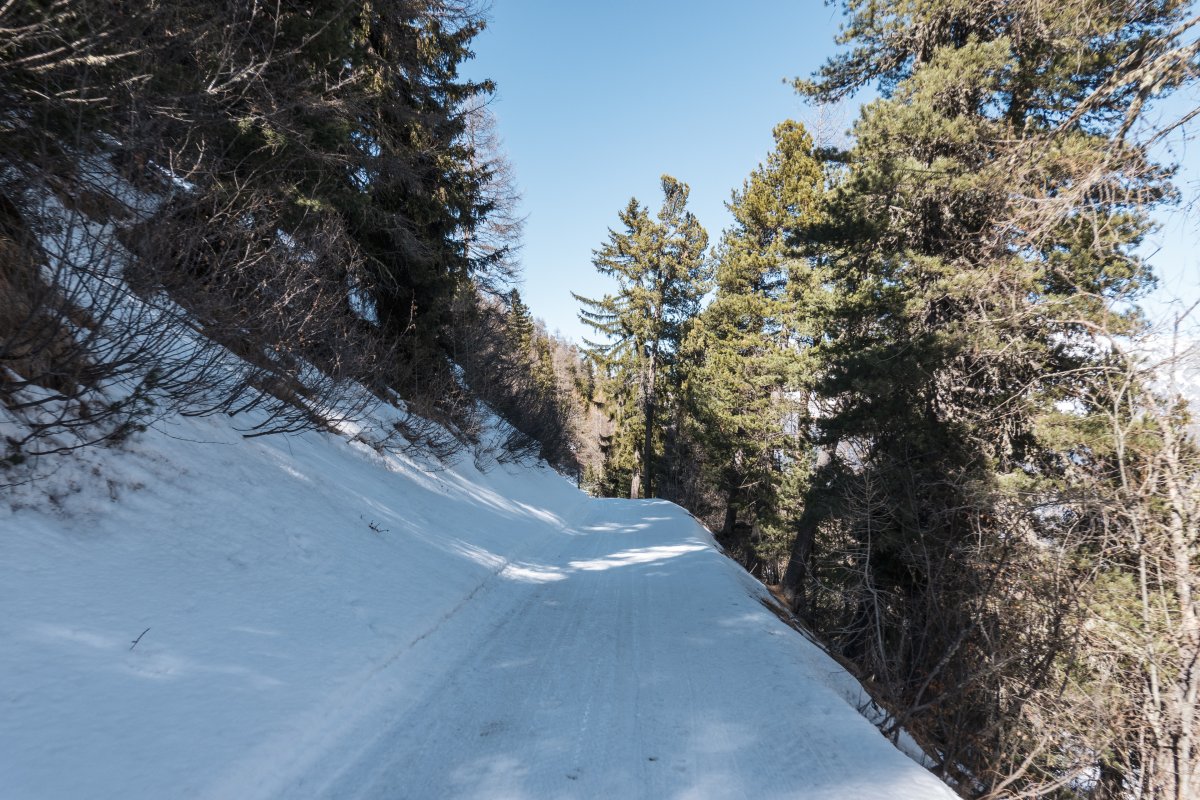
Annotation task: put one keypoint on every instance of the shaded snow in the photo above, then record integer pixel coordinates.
(327, 621)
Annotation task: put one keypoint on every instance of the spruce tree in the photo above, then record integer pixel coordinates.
(353, 124)
(662, 272)
(519, 325)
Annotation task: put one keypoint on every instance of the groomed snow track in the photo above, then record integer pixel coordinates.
(322, 620)
(625, 658)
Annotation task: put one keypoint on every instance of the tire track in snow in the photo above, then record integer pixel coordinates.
(645, 669)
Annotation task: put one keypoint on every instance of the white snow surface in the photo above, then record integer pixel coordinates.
(323, 620)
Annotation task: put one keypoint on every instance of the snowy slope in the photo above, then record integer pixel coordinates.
(327, 621)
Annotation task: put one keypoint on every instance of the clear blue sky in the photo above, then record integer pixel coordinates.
(597, 99)
(1174, 249)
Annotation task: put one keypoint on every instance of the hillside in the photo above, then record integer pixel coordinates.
(200, 615)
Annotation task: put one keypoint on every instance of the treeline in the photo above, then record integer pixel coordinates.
(313, 187)
(536, 381)
(923, 401)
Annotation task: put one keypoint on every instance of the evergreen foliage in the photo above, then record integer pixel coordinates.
(520, 324)
(978, 254)
(744, 357)
(662, 271)
(322, 180)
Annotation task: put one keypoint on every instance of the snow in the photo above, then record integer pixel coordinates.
(321, 619)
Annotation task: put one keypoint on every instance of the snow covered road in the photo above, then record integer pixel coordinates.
(309, 617)
(626, 659)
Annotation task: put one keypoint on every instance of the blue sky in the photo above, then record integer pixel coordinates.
(597, 99)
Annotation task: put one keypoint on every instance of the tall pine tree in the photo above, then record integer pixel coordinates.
(662, 271)
(745, 352)
(979, 248)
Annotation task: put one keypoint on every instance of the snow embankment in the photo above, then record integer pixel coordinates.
(204, 616)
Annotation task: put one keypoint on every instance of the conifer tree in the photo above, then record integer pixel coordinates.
(324, 171)
(423, 192)
(746, 349)
(520, 324)
(662, 272)
(978, 251)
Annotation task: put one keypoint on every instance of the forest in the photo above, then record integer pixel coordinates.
(912, 388)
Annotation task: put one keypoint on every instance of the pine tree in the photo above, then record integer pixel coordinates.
(519, 325)
(353, 125)
(746, 349)
(978, 248)
(662, 271)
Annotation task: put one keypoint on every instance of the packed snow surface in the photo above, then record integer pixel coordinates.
(314, 618)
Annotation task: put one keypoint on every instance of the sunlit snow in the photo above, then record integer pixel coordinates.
(303, 616)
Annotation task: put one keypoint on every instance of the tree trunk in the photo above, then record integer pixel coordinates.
(1180, 547)
(727, 526)
(795, 578)
(648, 442)
(819, 506)
(734, 491)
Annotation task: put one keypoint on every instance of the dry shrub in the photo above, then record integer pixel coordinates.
(35, 341)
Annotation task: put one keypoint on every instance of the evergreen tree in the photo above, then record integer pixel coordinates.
(545, 376)
(978, 249)
(424, 193)
(332, 194)
(746, 349)
(662, 272)
(354, 120)
(520, 324)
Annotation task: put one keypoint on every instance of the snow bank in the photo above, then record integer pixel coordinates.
(271, 573)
